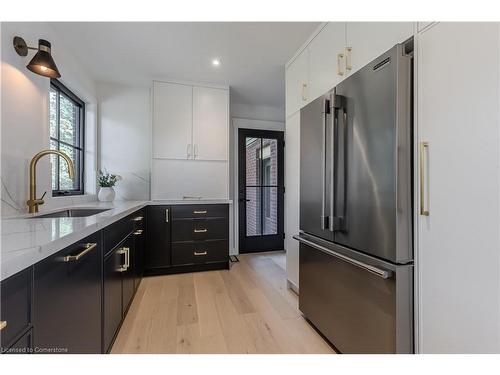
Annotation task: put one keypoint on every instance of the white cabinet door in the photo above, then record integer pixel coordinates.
(297, 80)
(292, 196)
(210, 123)
(189, 179)
(323, 56)
(458, 255)
(172, 120)
(369, 40)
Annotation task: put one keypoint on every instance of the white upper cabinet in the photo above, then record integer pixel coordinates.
(368, 40)
(172, 120)
(210, 123)
(459, 257)
(297, 82)
(326, 63)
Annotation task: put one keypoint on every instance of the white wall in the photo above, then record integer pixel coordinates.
(260, 112)
(243, 123)
(125, 137)
(24, 117)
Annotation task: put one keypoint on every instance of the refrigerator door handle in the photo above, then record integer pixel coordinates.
(334, 119)
(384, 274)
(337, 223)
(324, 219)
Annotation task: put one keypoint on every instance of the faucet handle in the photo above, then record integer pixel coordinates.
(43, 195)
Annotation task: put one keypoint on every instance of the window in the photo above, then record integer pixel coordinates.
(66, 117)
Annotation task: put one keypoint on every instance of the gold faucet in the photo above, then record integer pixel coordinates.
(33, 202)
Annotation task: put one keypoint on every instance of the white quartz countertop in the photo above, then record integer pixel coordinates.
(27, 239)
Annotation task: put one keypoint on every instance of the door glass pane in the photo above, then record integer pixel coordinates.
(269, 162)
(253, 156)
(269, 210)
(69, 120)
(253, 211)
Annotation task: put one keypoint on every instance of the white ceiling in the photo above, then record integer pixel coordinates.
(252, 54)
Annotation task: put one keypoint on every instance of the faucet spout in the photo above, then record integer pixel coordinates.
(33, 202)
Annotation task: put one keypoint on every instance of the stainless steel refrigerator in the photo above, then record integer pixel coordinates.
(356, 243)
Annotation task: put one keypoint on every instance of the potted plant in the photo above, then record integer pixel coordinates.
(106, 182)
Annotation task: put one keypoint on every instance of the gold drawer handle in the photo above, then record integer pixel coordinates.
(138, 218)
(126, 251)
(3, 324)
(200, 253)
(200, 212)
(423, 146)
(200, 230)
(87, 248)
(138, 232)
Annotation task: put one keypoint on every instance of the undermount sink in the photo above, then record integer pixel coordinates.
(77, 212)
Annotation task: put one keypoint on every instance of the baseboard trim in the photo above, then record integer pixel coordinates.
(292, 286)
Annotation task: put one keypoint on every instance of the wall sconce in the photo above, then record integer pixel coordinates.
(42, 63)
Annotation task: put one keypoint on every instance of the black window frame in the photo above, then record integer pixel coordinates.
(60, 88)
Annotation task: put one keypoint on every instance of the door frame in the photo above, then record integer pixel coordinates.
(263, 242)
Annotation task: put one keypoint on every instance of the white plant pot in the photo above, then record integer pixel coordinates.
(106, 194)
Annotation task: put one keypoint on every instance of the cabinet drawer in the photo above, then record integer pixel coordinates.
(199, 211)
(197, 252)
(116, 232)
(15, 306)
(202, 229)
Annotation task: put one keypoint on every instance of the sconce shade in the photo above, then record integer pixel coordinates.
(43, 63)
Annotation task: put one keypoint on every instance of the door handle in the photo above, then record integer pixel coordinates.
(3, 324)
(385, 274)
(167, 212)
(348, 58)
(87, 248)
(199, 212)
(340, 58)
(138, 218)
(200, 230)
(423, 147)
(138, 232)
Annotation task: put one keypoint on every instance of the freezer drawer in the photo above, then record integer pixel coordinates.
(359, 305)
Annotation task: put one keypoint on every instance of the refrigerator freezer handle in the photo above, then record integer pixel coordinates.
(385, 274)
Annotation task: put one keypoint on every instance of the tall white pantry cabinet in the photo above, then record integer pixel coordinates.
(190, 141)
(456, 167)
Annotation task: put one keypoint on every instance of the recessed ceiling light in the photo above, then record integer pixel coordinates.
(215, 62)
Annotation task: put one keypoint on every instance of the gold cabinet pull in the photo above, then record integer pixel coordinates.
(138, 218)
(340, 58)
(423, 147)
(198, 253)
(88, 247)
(124, 251)
(200, 230)
(304, 92)
(138, 232)
(167, 211)
(199, 211)
(3, 324)
(348, 58)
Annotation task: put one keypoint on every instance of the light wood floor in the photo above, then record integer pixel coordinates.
(247, 309)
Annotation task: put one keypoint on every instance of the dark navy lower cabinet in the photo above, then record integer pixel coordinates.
(114, 266)
(16, 307)
(157, 254)
(24, 345)
(67, 299)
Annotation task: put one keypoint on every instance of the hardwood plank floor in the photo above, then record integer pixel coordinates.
(247, 309)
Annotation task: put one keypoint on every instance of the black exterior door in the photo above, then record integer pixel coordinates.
(261, 189)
